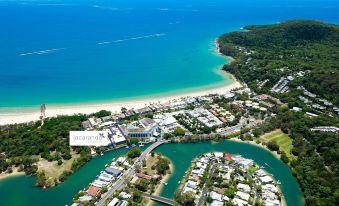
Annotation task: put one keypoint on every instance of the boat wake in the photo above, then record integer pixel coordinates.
(41, 52)
(133, 38)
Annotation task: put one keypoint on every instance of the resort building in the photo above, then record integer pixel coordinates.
(145, 128)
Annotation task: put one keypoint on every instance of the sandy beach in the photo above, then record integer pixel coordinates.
(12, 174)
(23, 115)
(114, 106)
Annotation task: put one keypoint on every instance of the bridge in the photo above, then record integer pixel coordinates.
(121, 182)
(163, 200)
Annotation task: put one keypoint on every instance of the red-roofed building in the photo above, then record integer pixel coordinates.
(93, 191)
(142, 175)
(228, 157)
(196, 178)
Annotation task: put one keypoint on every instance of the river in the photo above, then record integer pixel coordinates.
(19, 191)
(181, 156)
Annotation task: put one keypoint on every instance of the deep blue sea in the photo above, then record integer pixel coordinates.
(61, 52)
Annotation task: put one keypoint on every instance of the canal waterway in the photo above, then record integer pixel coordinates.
(20, 190)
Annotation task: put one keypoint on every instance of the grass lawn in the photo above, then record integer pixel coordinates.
(151, 161)
(282, 139)
(53, 170)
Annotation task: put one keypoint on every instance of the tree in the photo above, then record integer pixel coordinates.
(162, 165)
(186, 199)
(137, 196)
(134, 140)
(102, 113)
(134, 152)
(272, 145)
(123, 110)
(284, 157)
(41, 179)
(142, 185)
(179, 132)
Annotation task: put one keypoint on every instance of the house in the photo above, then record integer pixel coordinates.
(243, 195)
(270, 202)
(270, 187)
(85, 198)
(266, 179)
(244, 187)
(93, 191)
(228, 157)
(143, 176)
(217, 203)
(125, 195)
(113, 171)
(114, 202)
(325, 129)
(216, 196)
(188, 189)
(191, 184)
(239, 202)
(122, 203)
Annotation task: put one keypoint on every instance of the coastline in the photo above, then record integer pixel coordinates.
(114, 106)
(18, 115)
(12, 174)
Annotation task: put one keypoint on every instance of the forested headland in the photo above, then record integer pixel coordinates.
(304, 56)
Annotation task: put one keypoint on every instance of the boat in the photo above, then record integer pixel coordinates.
(279, 183)
(165, 183)
(179, 182)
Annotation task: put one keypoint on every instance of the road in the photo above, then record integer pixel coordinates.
(163, 200)
(205, 187)
(121, 181)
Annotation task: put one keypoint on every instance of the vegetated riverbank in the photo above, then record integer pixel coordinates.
(163, 180)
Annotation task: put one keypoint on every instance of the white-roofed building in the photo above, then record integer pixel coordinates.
(239, 202)
(243, 195)
(244, 187)
(217, 203)
(216, 196)
(266, 179)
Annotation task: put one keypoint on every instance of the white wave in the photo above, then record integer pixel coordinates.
(47, 51)
(112, 8)
(133, 38)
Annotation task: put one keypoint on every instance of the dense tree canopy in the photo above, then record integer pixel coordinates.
(271, 51)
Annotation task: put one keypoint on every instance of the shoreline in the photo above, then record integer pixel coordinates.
(114, 106)
(162, 181)
(12, 174)
(17, 115)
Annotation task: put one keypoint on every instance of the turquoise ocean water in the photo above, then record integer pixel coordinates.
(62, 52)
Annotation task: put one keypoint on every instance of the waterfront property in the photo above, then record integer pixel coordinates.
(219, 178)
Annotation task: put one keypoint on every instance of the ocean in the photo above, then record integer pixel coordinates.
(72, 52)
